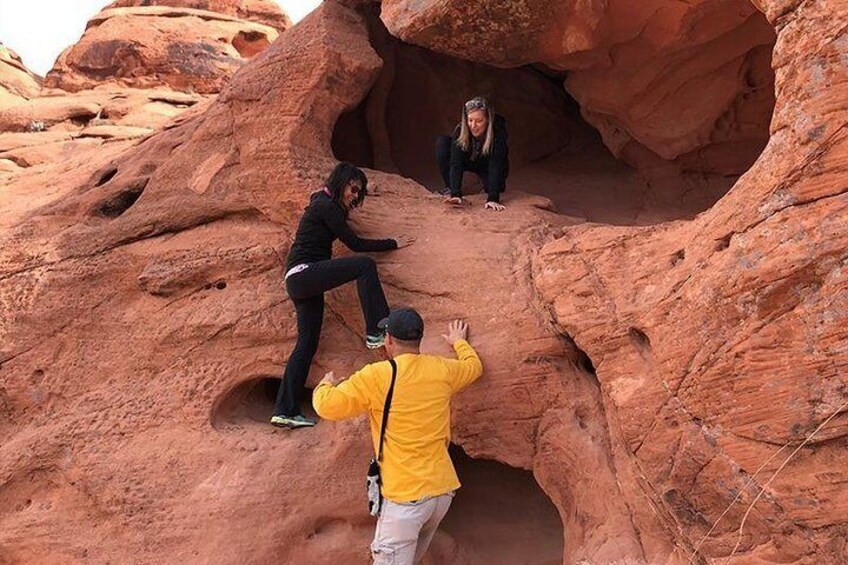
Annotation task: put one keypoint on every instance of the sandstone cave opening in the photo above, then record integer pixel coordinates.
(252, 403)
(554, 151)
(499, 516)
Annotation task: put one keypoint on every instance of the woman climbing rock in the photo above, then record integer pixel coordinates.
(479, 145)
(310, 272)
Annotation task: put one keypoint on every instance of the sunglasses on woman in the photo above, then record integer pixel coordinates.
(476, 104)
(355, 189)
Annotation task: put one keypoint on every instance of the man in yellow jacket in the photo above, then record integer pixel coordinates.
(417, 473)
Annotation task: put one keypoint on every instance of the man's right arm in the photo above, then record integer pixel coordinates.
(345, 400)
(467, 368)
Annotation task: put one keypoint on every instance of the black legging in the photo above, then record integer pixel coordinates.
(306, 290)
(480, 167)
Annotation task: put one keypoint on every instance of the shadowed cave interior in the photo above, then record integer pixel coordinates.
(500, 516)
(252, 403)
(554, 152)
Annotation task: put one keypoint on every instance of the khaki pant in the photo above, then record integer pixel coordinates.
(405, 529)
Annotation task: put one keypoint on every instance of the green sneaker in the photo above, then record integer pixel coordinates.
(375, 341)
(292, 421)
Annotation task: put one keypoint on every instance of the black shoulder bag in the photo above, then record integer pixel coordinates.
(373, 480)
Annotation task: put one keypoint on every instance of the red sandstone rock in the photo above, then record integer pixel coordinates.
(686, 80)
(17, 83)
(262, 11)
(183, 48)
(44, 129)
(105, 131)
(43, 112)
(115, 98)
(8, 166)
(143, 307)
(722, 340)
(9, 141)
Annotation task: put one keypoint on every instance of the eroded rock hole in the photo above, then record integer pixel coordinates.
(555, 151)
(724, 242)
(499, 516)
(119, 203)
(640, 340)
(81, 121)
(582, 362)
(252, 402)
(218, 285)
(106, 176)
(250, 43)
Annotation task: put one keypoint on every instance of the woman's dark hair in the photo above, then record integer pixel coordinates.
(339, 179)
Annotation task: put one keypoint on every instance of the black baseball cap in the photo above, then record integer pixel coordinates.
(404, 324)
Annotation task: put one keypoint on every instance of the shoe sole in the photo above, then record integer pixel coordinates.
(291, 425)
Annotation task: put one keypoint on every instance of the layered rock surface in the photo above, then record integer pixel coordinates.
(17, 83)
(646, 376)
(680, 81)
(188, 49)
(264, 12)
(137, 68)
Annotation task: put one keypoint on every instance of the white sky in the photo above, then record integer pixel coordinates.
(39, 30)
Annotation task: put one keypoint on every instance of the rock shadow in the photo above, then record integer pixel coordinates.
(251, 403)
(500, 516)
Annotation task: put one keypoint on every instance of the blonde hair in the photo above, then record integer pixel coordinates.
(464, 139)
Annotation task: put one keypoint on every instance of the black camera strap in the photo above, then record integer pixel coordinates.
(386, 407)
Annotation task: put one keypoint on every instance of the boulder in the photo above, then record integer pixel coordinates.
(144, 47)
(17, 83)
(261, 11)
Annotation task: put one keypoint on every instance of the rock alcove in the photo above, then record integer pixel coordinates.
(554, 151)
